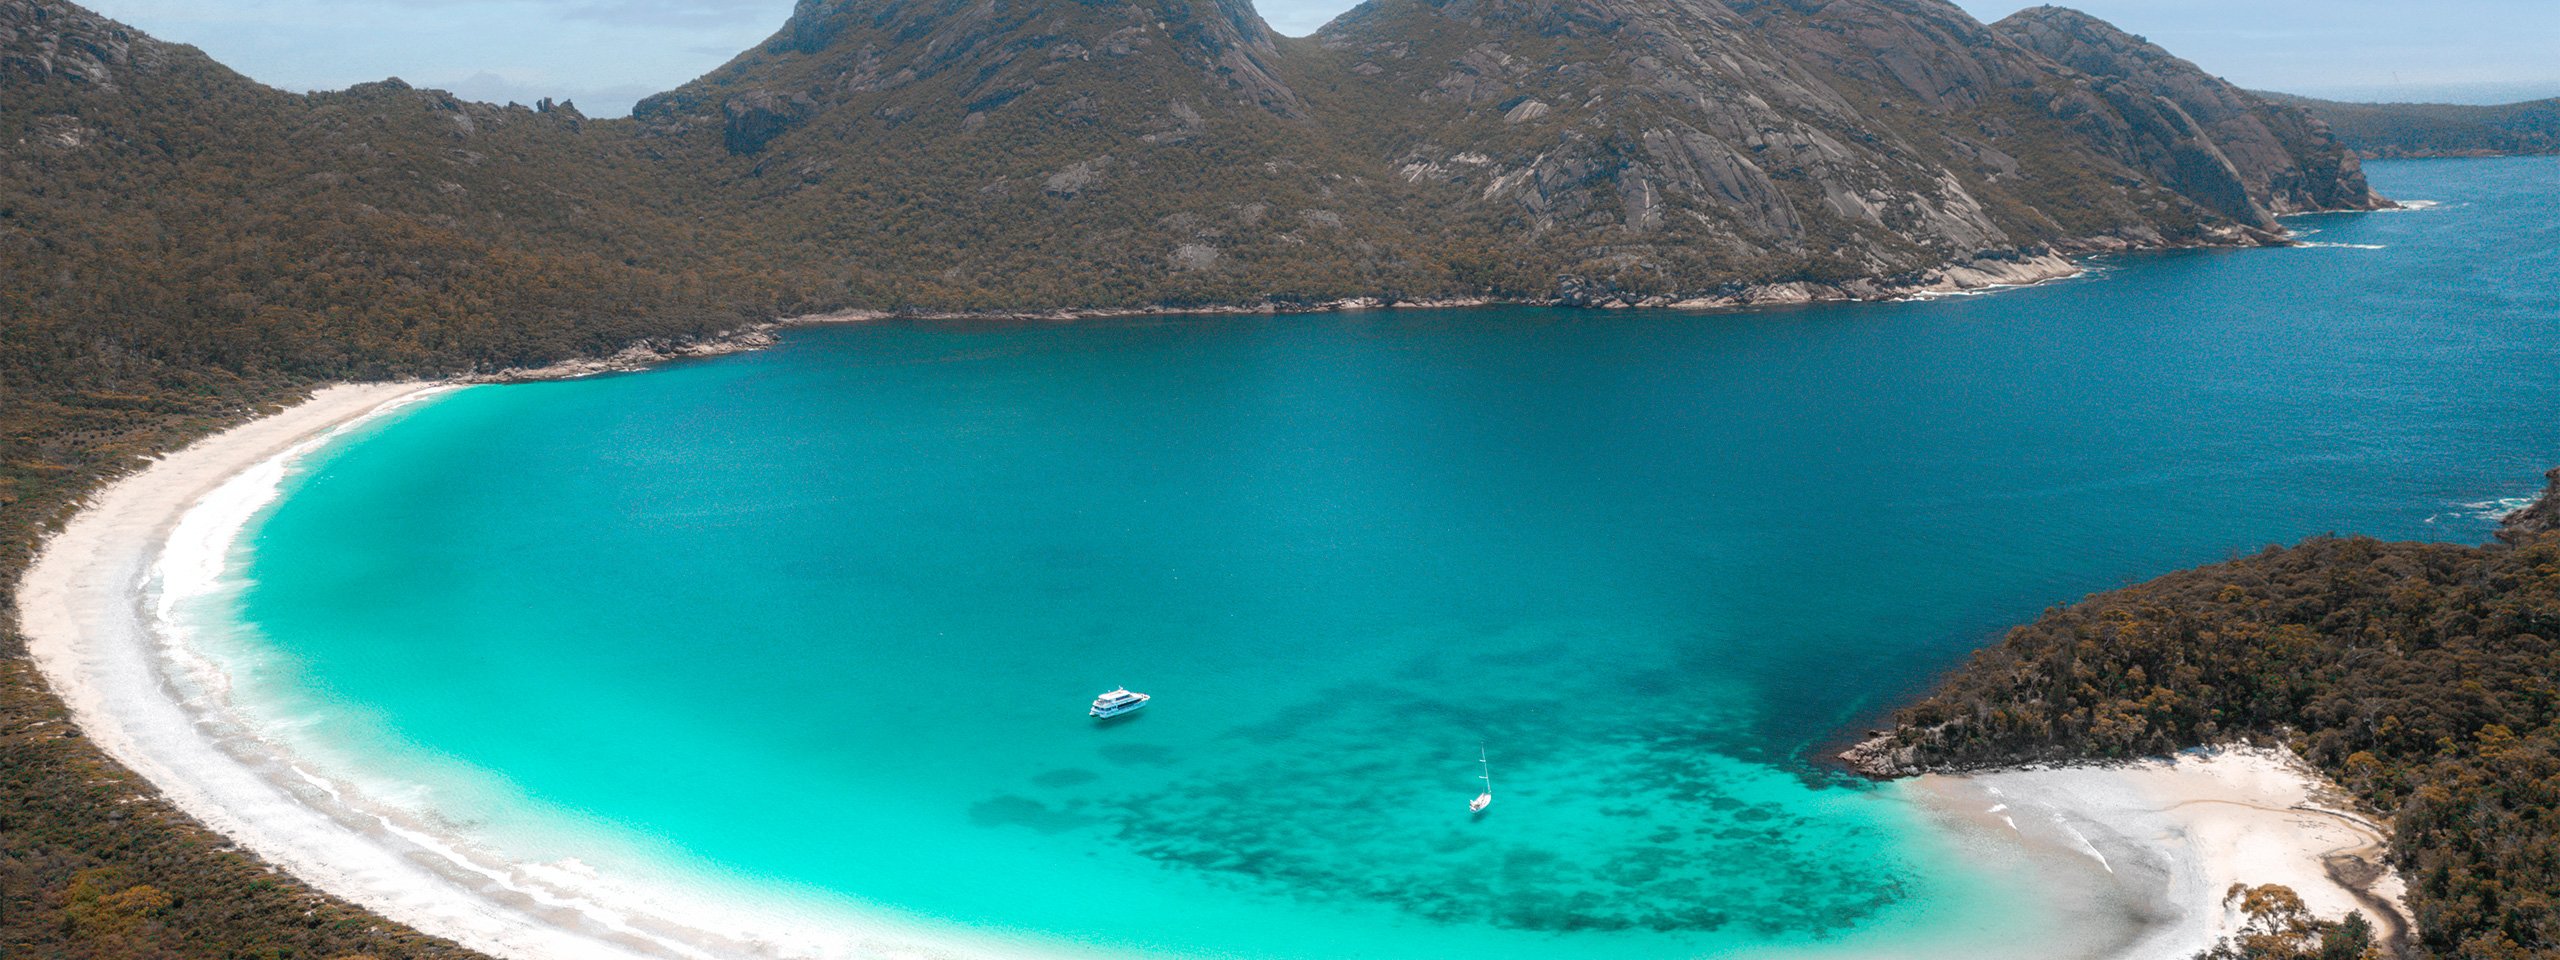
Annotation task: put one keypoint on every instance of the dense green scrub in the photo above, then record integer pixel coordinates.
(2417, 675)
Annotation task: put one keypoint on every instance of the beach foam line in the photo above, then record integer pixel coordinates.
(101, 612)
(83, 607)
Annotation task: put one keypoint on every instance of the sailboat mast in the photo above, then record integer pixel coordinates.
(1486, 798)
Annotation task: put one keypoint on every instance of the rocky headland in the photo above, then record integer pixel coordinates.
(2413, 676)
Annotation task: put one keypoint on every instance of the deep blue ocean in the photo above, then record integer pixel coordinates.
(817, 626)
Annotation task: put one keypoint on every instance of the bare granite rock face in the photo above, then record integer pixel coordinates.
(985, 54)
(1666, 140)
(43, 41)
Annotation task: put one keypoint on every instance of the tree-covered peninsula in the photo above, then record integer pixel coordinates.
(2418, 676)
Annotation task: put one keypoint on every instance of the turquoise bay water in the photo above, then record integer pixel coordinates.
(818, 624)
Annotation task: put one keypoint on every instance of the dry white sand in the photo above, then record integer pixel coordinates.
(2172, 836)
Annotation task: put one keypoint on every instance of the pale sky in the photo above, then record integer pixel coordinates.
(607, 53)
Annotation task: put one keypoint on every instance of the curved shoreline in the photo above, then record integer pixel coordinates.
(82, 607)
(97, 628)
(85, 606)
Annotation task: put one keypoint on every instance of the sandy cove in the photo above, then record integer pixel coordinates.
(2158, 840)
(2175, 834)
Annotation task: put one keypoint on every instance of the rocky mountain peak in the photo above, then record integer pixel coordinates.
(899, 59)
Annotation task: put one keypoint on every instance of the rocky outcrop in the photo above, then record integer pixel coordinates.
(2540, 517)
(1882, 756)
(44, 41)
(758, 116)
(982, 57)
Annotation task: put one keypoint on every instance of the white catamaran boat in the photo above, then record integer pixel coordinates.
(1118, 702)
(1484, 799)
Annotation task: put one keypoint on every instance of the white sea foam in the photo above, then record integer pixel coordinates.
(2085, 846)
(2497, 509)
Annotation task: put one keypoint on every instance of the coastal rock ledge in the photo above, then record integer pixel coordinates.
(1882, 757)
(2539, 517)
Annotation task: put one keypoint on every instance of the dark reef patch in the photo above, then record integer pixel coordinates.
(1383, 771)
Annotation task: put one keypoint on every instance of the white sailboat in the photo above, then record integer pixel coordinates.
(1484, 799)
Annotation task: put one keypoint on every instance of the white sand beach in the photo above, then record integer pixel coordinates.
(2166, 837)
(83, 607)
(2173, 835)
